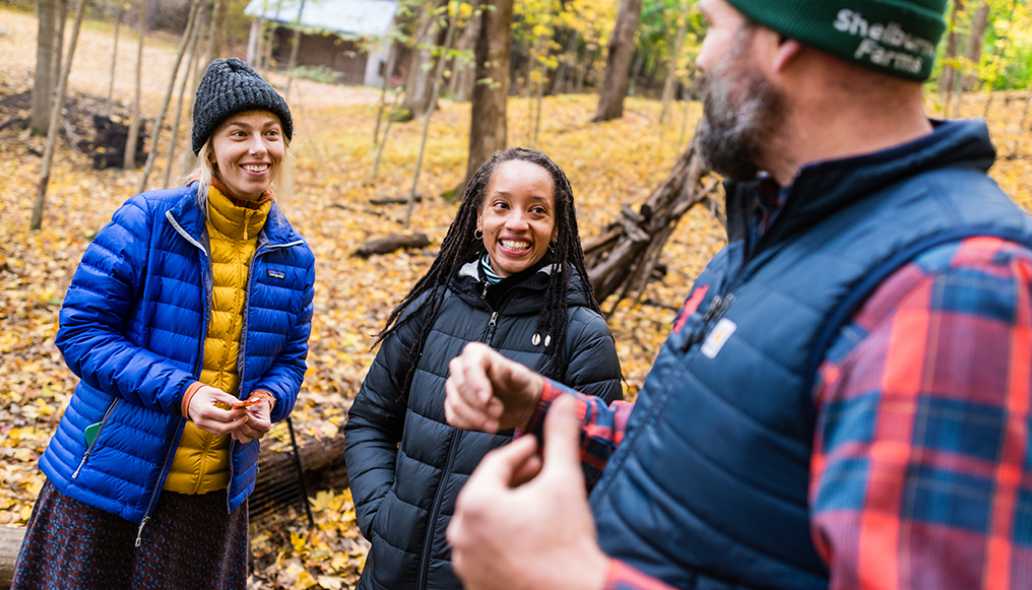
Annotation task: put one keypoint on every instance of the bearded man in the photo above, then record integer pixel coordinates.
(844, 400)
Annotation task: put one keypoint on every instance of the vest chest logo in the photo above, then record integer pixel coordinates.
(277, 274)
(717, 338)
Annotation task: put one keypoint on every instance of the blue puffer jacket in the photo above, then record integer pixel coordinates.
(132, 328)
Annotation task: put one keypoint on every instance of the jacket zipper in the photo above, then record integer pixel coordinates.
(732, 279)
(170, 451)
(489, 332)
(107, 413)
(262, 250)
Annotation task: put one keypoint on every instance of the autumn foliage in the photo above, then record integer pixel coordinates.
(610, 164)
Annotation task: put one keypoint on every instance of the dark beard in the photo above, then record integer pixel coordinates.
(741, 112)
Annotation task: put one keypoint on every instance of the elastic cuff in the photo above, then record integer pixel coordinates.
(262, 393)
(549, 392)
(184, 406)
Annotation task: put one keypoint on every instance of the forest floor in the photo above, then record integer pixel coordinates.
(326, 198)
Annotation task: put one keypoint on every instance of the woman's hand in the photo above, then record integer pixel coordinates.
(258, 411)
(215, 411)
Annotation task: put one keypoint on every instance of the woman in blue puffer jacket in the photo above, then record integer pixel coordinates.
(187, 322)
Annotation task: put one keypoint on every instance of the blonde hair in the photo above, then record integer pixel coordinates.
(205, 169)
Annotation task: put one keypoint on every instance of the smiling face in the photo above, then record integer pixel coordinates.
(248, 148)
(517, 216)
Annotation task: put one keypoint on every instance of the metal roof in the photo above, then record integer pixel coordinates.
(352, 18)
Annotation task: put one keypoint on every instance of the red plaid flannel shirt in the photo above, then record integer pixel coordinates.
(922, 469)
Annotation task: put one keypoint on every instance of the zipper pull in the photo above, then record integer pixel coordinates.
(139, 531)
(716, 308)
(494, 320)
(483, 294)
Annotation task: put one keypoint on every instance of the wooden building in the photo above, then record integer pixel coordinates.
(349, 37)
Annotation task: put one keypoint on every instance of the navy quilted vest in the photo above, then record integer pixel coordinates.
(709, 487)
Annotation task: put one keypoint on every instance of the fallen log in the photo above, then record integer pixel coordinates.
(278, 485)
(622, 260)
(390, 243)
(10, 542)
(394, 200)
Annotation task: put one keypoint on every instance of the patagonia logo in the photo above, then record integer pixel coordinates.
(277, 274)
(718, 338)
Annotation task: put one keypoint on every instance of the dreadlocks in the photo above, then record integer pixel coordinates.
(460, 246)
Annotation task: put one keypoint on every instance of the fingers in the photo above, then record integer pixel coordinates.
(526, 472)
(562, 434)
(498, 468)
(461, 414)
(219, 427)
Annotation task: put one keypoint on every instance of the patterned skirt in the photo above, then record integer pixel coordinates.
(189, 542)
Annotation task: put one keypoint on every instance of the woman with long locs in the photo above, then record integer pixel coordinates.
(510, 273)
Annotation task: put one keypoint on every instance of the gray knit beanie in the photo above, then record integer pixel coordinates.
(896, 37)
(230, 86)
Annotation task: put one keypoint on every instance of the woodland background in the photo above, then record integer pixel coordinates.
(619, 135)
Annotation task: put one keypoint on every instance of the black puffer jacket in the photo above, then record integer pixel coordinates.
(405, 494)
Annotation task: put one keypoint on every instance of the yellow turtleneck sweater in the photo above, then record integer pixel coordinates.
(201, 464)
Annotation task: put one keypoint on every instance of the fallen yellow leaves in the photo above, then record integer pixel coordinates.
(611, 164)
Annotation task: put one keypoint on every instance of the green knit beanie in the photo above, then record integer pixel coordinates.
(896, 37)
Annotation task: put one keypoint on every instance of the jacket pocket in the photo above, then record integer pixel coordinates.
(100, 430)
(377, 526)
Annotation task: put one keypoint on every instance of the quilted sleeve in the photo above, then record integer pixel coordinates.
(93, 319)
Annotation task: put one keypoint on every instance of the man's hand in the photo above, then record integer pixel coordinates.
(522, 524)
(486, 391)
(213, 410)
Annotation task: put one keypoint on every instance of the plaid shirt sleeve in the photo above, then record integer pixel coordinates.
(602, 426)
(922, 469)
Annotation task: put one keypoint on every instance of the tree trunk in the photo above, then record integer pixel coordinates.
(195, 36)
(637, 65)
(622, 259)
(488, 130)
(44, 80)
(618, 62)
(979, 24)
(55, 116)
(582, 70)
(218, 30)
(114, 62)
(382, 145)
(385, 82)
(135, 118)
(152, 11)
(460, 86)
(211, 40)
(295, 44)
(949, 72)
(59, 35)
(675, 63)
(190, 24)
(998, 50)
(254, 42)
(418, 82)
(435, 85)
